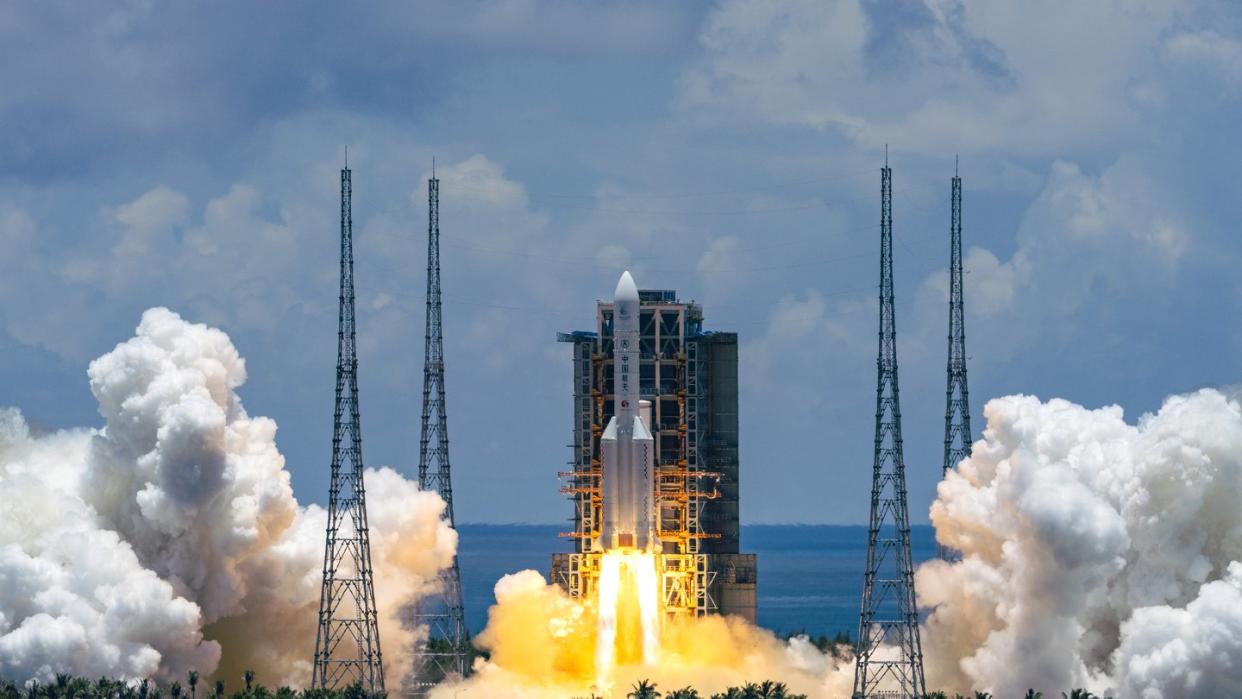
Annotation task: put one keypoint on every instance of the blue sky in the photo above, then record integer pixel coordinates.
(187, 156)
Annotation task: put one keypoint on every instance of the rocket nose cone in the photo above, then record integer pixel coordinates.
(626, 289)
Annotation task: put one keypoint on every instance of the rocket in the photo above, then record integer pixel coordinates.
(627, 450)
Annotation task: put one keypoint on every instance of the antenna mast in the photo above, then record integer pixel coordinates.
(347, 644)
(444, 651)
(889, 615)
(957, 439)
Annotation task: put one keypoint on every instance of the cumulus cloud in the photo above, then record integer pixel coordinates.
(1086, 243)
(926, 74)
(478, 179)
(1221, 55)
(157, 211)
(725, 268)
(169, 539)
(1095, 552)
(798, 327)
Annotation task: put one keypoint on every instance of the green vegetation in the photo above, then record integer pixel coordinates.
(839, 646)
(646, 689)
(69, 687)
(1030, 694)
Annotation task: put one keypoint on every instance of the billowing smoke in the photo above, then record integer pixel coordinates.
(542, 646)
(1097, 553)
(170, 540)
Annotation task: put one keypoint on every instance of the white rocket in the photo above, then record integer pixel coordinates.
(627, 449)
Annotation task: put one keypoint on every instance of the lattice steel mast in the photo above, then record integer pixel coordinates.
(889, 616)
(957, 434)
(445, 652)
(347, 644)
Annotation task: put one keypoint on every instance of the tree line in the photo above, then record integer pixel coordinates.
(69, 687)
(645, 689)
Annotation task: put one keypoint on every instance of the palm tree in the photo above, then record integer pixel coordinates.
(730, 693)
(1032, 694)
(191, 679)
(144, 688)
(983, 695)
(643, 689)
(1078, 694)
(937, 695)
(775, 690)
(683, 693)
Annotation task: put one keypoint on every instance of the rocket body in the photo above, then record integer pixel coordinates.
(627, 448)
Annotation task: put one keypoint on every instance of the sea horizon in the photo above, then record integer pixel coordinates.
(810, 575)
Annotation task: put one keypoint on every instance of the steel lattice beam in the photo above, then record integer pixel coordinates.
(347, 643)
(889, 653)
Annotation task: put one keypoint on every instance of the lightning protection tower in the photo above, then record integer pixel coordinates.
(347, 644)
(888, 655)
(957, 397)
(445, 649)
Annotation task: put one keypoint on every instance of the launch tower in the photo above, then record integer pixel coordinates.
(347, 644)
(957, 435)
(445, 651)
(689, 377)
(889, 616)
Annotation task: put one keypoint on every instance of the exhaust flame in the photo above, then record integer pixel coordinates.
(544, 644)
(627, 620)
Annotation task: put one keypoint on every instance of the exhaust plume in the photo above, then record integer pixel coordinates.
(543, 646)
(1096, 553)
(170, 540)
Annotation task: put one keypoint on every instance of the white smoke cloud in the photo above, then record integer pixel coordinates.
(169, 539)
(542, 646)
(1097, 553)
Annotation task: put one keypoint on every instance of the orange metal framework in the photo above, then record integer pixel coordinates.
(681, 485)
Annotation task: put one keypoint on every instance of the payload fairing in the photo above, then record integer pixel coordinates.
(627, 448)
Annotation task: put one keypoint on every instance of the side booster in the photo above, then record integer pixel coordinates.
(627, 449)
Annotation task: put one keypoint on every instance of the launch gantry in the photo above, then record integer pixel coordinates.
(672, 364)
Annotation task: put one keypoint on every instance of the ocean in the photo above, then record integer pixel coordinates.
(810, 576)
